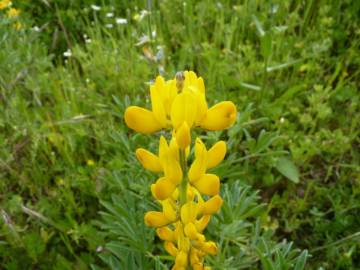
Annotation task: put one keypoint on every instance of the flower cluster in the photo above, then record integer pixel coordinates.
(188, 196)
(11, 12)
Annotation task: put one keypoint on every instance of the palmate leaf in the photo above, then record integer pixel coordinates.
(243, 244)
(130, 241)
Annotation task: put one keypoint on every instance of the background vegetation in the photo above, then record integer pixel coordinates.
(72, 195)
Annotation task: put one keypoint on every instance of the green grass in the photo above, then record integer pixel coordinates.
(292, 69)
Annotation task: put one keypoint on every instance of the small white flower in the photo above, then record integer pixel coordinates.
(68, 53)
(95, 7)
(153, 34)
(88, 40)
(121, 21)
(36, 28)
(110, 15)
(282, 120)
(109, 25)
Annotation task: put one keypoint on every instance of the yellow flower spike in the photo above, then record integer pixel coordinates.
(141, 120)
(189, 212)
(209, 247)
(163, 188)
(202, 223)
(184, 108)
(212, 205)
(198, 167)
(208, 184)
(148, 160)
(156, 219)
(183, 136)
(171, 249)
(168, 210)
(197, 266)
(220, 116)
(216, 154)
(166, 234)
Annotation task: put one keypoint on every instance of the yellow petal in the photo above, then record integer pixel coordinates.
(148, 160)
(156, 219)
(220, 116)
(208, 184)
(174, 149)
(209, 247)
(172, 171)
(216, 154)
(171, 249)
(201, 107)
(198, 167)
(202, 223)
(197, 266)
(189, 212)
(163, 188)
(141, 120)
(190, 231)
(181, 259)
(194, 258)
(183, 137)
(184, 108)
(168, 210)
(166, 234)
(157, 105)
(212, 205)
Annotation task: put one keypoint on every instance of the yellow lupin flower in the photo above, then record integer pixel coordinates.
(13, 12)
(174, 103)
(180, 104)
(4, 4)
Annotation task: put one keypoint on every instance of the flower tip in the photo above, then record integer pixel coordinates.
(182, 135)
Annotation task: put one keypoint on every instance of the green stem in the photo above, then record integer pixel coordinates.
(184, 181)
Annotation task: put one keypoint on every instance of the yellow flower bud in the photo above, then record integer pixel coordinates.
(181, 259)
(208, 184)
(168, 210)
(163, 188)
(166, 234)
(148, 160)
(202, 223)
(189, 212)
(209, 247)
(183, 137)
(190, 231)
(198, 167)
(171, 249)
(212, 205)
(220, 116)
(156, 219)
(141, 120)
(216, 154)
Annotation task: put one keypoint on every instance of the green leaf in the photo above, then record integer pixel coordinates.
(300, 262)
(287, 168)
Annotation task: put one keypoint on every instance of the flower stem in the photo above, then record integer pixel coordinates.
(184, 181)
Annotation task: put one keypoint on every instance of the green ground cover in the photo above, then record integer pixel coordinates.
(72, 194)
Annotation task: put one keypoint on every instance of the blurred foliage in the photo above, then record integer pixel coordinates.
(72, 195)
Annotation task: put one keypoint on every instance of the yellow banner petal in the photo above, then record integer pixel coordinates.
(148, 160)
(208, 184)
(216, 154)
